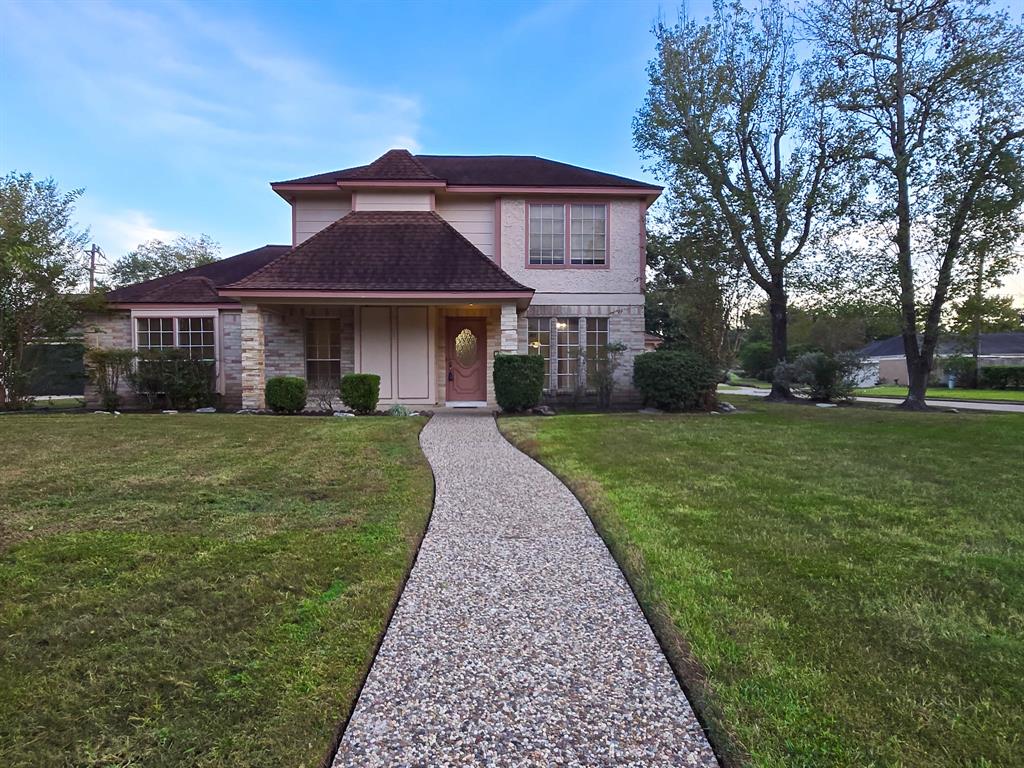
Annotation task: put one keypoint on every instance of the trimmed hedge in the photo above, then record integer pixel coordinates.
(360, 391)
(675, 381)
(518, 381)
(1001, 376)
(286, 394)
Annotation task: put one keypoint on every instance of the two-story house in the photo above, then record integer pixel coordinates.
(419, 268)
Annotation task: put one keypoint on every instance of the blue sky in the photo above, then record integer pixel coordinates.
(174, 116)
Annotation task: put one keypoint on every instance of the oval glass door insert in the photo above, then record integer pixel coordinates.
(465, 347)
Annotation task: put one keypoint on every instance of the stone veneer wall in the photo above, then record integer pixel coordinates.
(625, 325)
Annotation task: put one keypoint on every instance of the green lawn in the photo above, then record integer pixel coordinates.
(841, 587)
(944, 393)
(196, 590)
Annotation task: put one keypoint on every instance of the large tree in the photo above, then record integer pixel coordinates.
(40, 267)
(734, 127)
(157, 258)
(698, 292)
(936, 88)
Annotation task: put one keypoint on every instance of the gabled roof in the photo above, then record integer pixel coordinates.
(198, 285)
(1009, 343)
(383, 251)
(398, 165)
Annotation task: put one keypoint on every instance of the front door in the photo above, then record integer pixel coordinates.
(466, 359)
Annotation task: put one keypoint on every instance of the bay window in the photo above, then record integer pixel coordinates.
(564, 342)
(581, 229)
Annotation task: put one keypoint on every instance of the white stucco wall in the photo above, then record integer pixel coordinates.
(473, 217)
(621, 282)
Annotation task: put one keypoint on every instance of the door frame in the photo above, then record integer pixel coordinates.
(449, 320)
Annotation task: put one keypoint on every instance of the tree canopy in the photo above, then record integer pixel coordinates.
(40, 268)
(157, 258)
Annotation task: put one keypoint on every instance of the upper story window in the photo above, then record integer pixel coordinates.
(581, 229)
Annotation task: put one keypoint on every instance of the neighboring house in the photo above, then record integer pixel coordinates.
(418, 268)
(996, 349)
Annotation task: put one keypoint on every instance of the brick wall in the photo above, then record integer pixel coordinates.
(108, 330)
(625, 325)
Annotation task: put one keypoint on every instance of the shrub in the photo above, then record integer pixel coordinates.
(961, 368)
(518, 381)
(175, 376)
(821, 377)
(323, 391)
(1002, 376)
(106, 369)
(286, 394)
(675, 381)
(360, 391)
(756, 359)
(601, 367)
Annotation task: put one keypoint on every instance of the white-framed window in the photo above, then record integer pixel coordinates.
(196, 336)
(579, 229)
(323, 350)
(193, 331)
(563, 344)
(596, 346)
(547, 234)
(154, 332)
(587, 234)
(539, 343)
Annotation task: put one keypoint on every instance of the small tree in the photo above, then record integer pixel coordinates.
(821, 377)
(106, 369)
(39, 268)
(157, 258)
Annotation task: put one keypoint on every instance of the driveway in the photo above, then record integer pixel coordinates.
(966, 405)
(517, 640)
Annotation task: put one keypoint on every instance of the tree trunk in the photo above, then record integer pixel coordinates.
(918, 371)
(777, 308)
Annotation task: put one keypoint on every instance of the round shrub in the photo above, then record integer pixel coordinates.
(675, 381)
(286, 394)
(518, 381)
(756, 360)
(360, 391)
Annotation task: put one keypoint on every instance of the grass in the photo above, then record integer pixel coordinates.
(840, 587)
(196, 590)
(944, 393)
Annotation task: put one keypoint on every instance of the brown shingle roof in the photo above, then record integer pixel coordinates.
(475, 170)
(197, 285)
(384, 251)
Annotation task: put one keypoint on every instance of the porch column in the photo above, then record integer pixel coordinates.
(253, 364)
(509, 329)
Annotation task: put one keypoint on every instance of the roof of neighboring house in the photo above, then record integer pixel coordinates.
(1010, 343)
(198, 285)
(474, 170)
(383, 251)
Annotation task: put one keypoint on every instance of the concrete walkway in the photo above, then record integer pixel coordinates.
(966, 405)
(517, 641)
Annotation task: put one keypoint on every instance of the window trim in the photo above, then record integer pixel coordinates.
(137, 314)
(567, 204)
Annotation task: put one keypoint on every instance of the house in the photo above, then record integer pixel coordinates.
(418, 268)
(887, 355)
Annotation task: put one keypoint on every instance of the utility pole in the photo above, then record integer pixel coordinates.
(93, 253)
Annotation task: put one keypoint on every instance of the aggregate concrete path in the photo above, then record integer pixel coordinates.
(516, 641)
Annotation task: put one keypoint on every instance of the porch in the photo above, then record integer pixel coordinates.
(426, 354)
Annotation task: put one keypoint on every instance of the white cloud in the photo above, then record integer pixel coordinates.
(214, 94)
(117, 230)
